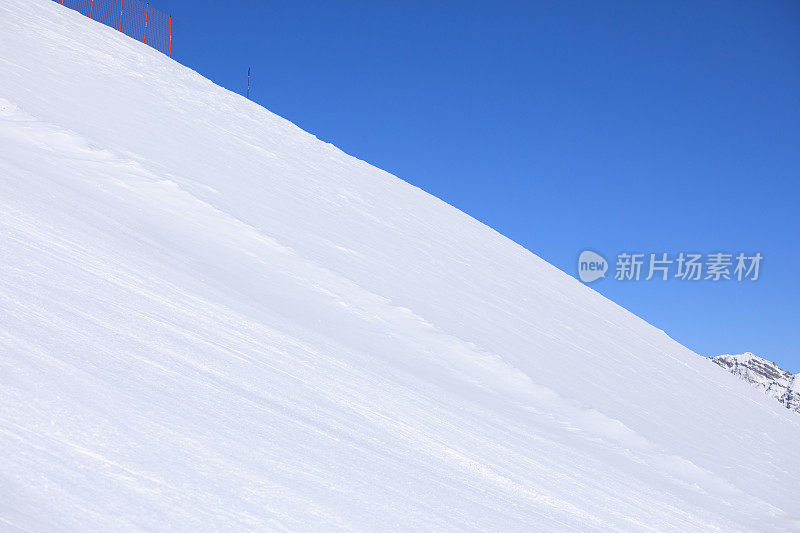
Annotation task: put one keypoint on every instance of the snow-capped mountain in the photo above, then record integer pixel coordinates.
(765, 375)
(211, 320)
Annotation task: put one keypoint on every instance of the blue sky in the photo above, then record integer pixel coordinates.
(615, 126)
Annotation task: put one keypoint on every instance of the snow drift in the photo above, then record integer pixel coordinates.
(209, 319)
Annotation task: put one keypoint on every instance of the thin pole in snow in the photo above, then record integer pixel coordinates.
(248, 83)
(146, 14)
(170, 35)
(91, 9)
(121, 3)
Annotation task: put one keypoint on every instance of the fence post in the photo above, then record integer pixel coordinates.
(91, 9)
(146, 14)
(121, 3)
(170, 35)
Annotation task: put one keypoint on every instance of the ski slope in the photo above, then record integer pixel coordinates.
(211, 320)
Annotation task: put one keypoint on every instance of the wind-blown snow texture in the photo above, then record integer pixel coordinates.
(213, 320)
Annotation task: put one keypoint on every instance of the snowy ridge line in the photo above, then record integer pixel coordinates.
(209, 319)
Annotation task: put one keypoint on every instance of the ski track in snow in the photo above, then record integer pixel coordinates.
(212, 320)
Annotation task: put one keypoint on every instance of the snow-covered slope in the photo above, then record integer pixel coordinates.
(209, 319)
(765, 375)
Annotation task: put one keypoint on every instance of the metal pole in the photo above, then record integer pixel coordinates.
(91, 9)
(248, 83)
(146, 14)
(170, 35)
(121, 3)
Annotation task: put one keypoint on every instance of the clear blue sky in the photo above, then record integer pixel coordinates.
(616, 126)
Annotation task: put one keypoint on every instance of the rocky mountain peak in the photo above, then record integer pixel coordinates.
(766, 375)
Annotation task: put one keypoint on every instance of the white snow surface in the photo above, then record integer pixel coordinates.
(211, 320)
